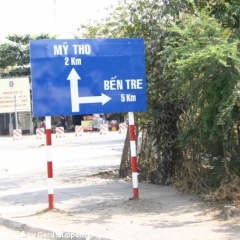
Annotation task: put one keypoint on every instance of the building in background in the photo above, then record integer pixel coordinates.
(15, 105)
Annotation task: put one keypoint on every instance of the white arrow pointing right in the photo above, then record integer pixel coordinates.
(95, 99)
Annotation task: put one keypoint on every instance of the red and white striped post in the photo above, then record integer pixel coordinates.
(133, 155)
(49, 162)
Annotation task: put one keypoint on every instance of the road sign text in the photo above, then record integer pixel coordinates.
(80, 49)
(114, 84)
(73, 61)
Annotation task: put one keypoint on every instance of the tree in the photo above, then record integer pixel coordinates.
(14, 57)
(192, 65)
(144, 18)
(206, 64)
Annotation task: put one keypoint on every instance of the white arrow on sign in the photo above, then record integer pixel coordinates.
(73, 77)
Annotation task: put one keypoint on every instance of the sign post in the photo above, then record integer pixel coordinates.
(49, 162)
(10, 125)
(15, 110)
(133, 155)
(88, 76)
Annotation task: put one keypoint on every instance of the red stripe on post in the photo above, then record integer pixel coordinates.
(49, 169)
(132, 132)
(51, 201)
(135, 193)
(134, 164)
(48, 137)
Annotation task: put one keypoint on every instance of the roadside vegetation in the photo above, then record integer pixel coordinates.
(190, 135)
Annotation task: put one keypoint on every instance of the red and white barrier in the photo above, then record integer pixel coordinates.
(103, 129)
(123, 128)
(60, 132)
(133, 155)
(17, 134)
(40, 133)
(78, 130)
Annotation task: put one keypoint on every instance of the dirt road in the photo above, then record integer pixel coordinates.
(95, 206)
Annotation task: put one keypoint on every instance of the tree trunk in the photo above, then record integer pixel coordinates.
(124, 165)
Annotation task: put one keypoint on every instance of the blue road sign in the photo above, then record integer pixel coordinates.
(84, 76)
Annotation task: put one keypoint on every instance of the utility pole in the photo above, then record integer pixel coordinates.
(55, 16)
(15, 105)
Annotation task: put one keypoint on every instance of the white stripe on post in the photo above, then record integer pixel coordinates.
(133, 148)
(135, 180)
(49, 153)
(50, 186)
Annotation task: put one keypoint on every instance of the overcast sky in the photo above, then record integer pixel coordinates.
(49, 16)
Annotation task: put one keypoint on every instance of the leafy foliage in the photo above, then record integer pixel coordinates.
(192, 61)
(144, 18)
(205, 60)
(14, 55)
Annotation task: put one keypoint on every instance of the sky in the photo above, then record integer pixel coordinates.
(60, 17)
